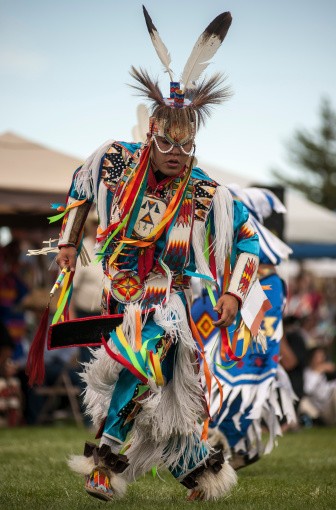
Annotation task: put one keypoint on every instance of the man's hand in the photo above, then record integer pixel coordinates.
(67, 257)
(227, 306)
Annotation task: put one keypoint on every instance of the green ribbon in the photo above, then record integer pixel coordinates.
(109, 239)
(227, 367)
(53, 219)
(60, 309)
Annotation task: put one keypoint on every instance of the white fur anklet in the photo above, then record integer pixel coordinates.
(213, 485)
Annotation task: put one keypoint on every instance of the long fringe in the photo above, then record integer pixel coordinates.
(271, 402)
(165, 428)
(101, 206)
(223, 215)
(99, 375)
(270, 244)
(86, 182)
(166, 425)
(144, 453)
(198, 240)
(64, 236)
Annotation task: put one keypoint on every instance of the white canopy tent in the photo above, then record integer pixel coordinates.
(32, 177)
(29, 166)
(306, 222)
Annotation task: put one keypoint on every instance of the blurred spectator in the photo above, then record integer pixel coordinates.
(10, 390)
(303, 298)
(56, 361)
(320, 388)
(293, 354)
(325, 329)
(6, 348)
(12, 291)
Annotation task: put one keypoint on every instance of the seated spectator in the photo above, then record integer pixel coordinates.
(320, 388)
(56, 362)
(10, 389)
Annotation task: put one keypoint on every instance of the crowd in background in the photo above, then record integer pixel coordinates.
(308, 348)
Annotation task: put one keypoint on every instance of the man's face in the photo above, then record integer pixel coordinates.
(168, 158)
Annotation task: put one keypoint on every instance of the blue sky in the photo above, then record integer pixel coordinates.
(64, 67)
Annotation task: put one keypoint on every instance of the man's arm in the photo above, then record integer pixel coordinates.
(245, 270)
(227, 307)
(67, 257)
(72, 226)
(109, 159)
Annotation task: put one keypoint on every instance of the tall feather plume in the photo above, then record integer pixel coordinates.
(158, 44)
(146, 86)
(207, 93)
(140, 130)
(206, 46)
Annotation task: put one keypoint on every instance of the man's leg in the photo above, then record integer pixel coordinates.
(206, 475)
(103, 465)
(104, 462)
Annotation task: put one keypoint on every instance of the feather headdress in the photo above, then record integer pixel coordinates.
(192, 104)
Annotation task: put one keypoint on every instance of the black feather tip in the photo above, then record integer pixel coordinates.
(219, 26)
(150, 25)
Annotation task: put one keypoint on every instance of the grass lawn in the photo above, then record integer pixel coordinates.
(299, 474)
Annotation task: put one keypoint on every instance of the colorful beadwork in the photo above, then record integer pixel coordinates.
(247, 231)
(205, 325)
(248, 272)
(174, 86)
(151, 213)
(179, 99)
(98, 485)
(126, 287)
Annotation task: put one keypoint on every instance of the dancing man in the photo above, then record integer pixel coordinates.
(160, 221)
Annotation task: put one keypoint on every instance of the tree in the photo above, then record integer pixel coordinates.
(314, 154)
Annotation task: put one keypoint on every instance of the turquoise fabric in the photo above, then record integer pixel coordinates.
(125, 389)
(201, 452)
(127, 383)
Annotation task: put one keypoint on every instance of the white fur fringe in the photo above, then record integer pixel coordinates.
(223, 214)
(84, 465)
(216, 485)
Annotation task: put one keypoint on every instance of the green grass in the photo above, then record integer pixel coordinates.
(299, 474)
